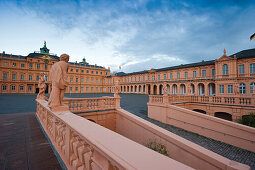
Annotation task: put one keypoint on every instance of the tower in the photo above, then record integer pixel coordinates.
(44, 50)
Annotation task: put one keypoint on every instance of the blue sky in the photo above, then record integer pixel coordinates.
(137, 35)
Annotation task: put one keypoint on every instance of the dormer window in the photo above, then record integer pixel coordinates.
(225, 69)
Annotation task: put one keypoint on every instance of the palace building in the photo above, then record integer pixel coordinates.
(20, 74)
(229, 75)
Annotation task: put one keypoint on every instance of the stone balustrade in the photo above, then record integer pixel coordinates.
(92, 104)
(82, 144)
(244, 101)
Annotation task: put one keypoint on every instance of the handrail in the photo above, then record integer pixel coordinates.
(82, 144)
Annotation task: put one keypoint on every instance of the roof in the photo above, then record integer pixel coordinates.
(242, 54)
(40, 54)
(15, 56)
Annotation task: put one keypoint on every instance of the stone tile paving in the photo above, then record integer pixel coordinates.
(23, 144)
(137, 104)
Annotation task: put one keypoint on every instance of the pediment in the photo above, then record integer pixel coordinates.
(46, 57)
(224, 58)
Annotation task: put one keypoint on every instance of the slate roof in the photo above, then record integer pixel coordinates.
(40, 54)
(15, 56)
(242, 54)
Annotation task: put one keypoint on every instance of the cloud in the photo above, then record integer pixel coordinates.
(137, 35)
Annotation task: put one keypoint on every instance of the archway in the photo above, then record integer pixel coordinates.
(131, 89)
(201, 89)
(144, 90)
(161, 89)
(149, 89)
(174, 89)
(192, 90)
(135, 89)
(128, 89)
(168, 89)
(200, 111)
(182, 89)
(223, 115)
(211, 89)
(154, 89)
(140, 89)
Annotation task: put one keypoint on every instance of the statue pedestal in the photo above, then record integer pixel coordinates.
(60, 108)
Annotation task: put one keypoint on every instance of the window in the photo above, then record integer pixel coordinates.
(13, 76)
(194, 74)
(21, 88)
(101, 73)
(221, 89)
(135, 78)
(91, 88)
(5, 63)
(92, 72)
(30, 65)
(252, 85)
(131, 78)
(105, 73)
(87, 71)
(252, 68)
(30, 77)
(203, 73)
(76, 88)
(22, 77)
(96, 81)
(82, 80)
(5, 76)
(71, 79)
(158, 77)
(178, 75)
(77, 70)
(87, 80)
(82, 71)
(77, 79)
(71, 88)
(97, 72)
(38, 66)
(164, 76)
(82, 89)
(148, 77)
(14, 64)
(143, 78)
(29, 88)
(46, 67)
(4, 88)
(101, 81)
(87, 89)
(153, 77)
(213, 72)
(186, 74)
(171, 75)
(22, 65)
(242, 88)
(225, 69)
(92, 80)
(241, 69)
(13, 88)
(96, 88)
(139, 78)
(230, 89)
(37, 78)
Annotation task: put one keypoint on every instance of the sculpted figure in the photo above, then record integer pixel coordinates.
(42, 87)
(117, 88)
(236, 89)
(58, 74)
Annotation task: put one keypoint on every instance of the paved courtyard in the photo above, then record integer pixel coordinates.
(136, 104)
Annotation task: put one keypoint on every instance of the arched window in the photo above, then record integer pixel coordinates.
(252, 85)
(225, 69)
(242, 88)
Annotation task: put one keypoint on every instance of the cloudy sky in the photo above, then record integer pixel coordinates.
(135, 35)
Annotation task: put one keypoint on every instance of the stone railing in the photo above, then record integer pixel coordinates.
(244, 101)
(92, 104)
(82, 144)
(223, 100)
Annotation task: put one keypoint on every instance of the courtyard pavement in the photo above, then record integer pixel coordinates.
(136, 104)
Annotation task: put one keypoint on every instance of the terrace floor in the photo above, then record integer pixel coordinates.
(22, 130)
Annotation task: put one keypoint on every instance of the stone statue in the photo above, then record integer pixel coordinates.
(42, 87)
(117, 88)
(58, 74)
